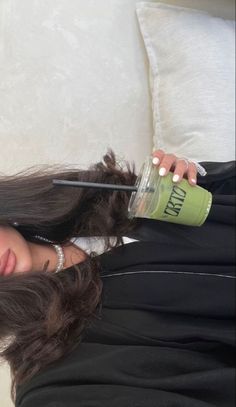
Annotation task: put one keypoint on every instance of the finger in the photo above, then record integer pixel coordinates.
(158, 156)
(166, 163)
(181, 168)
(192, 174)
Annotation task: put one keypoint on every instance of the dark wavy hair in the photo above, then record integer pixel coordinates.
(43, 315)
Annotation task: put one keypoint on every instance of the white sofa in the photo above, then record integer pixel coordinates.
(74, 81)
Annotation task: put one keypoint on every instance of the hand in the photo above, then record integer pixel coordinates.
(179, 166)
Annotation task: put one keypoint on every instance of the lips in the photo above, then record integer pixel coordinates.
(7, 262)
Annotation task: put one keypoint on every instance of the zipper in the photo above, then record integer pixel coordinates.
(167, 272)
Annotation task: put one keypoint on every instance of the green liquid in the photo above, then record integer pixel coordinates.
(180, 203)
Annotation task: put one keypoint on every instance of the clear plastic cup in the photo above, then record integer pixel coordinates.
(161, 199)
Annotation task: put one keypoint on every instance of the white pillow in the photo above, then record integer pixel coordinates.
(192, 80)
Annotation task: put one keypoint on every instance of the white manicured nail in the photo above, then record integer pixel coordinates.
(155, 161)
(162, 171)
(175, 178)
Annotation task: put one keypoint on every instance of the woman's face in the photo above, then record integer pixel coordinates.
(20, 253)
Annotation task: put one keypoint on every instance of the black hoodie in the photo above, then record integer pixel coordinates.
(167, 333)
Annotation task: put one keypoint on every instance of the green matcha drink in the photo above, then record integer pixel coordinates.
(162, 199)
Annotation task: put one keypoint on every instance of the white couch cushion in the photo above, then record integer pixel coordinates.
(192, 79)
(74, 81)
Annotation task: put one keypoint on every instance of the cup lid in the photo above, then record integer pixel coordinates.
(142, 186)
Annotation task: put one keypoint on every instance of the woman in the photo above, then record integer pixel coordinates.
(148, 323)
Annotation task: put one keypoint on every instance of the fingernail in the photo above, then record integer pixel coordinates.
(155, 161)
(193, 180)
(162, 171)
(175, 178)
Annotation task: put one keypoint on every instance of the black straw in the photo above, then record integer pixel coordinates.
(81, 184)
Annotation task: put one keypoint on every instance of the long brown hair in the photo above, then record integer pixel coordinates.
(43, 315)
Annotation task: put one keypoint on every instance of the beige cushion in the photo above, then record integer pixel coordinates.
(218, 8)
